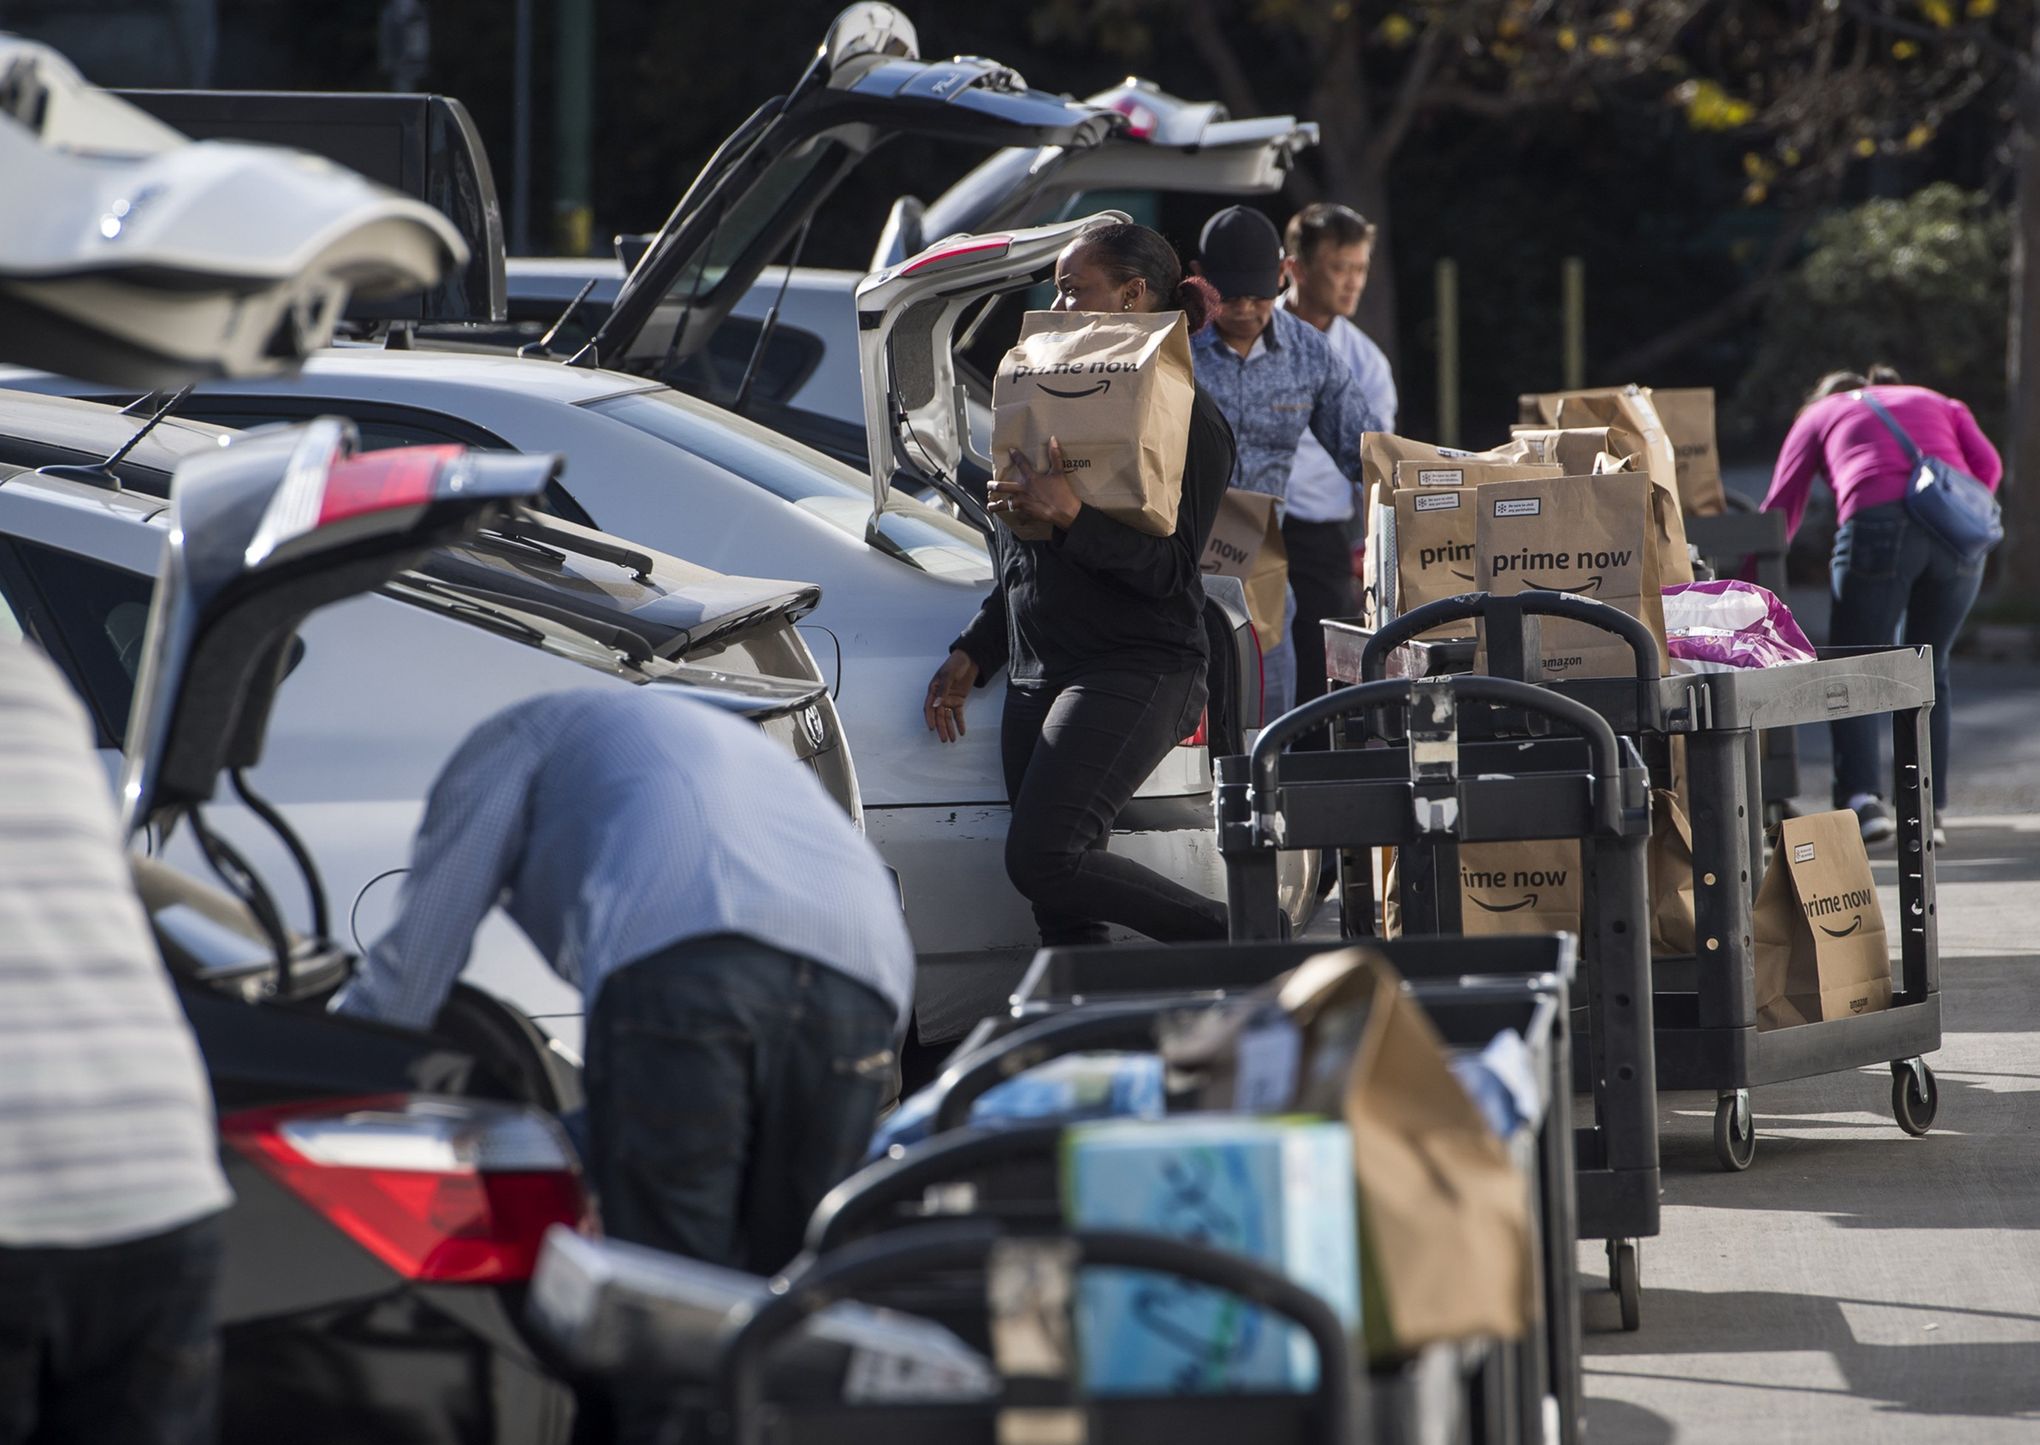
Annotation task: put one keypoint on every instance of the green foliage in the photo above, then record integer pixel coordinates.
(1920, 283)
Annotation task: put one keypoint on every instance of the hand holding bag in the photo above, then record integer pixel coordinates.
(1948, 504)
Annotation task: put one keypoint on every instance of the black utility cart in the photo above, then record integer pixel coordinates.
(1427, 794)
(1705, 1004)
(1730, 543)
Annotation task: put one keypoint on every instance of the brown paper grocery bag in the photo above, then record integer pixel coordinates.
(1818, 927)
(1525, 887)
(1638, 430)
(1670, 865)
(1573, 450)
(1583, 535)
(1444, 1217)
(1115, 389)
(1246, 542)
(1434, 529)
(1688, 415)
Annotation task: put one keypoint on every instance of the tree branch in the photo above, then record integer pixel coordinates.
(1409, 97)
(1639, 361)
(1220, 58)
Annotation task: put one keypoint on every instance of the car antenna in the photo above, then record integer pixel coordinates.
(543, 346)
(101, 473)
(771, 322)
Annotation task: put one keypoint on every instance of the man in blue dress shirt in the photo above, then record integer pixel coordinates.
(1275, 378)
(739, 946)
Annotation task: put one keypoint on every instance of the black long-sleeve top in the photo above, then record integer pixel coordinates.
(1100, 595)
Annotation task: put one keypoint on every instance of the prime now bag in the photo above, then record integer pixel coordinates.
(1246, 542)
(1638, 432)
(1526, 887)
(1115, 389)
(1688, 415)
(1435, 503)
(1582, 535)
(1818, 927)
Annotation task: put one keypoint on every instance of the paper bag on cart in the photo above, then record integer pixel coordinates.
(1584, 535)
(1246, 542)
(1434, 529)
(1818, 927)
(1444, 1216)
(1670, 860)
(1115, 389)
(1526, 887)
(1637, 431)
(1688, 415)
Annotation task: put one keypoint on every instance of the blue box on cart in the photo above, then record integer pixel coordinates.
(1278, 1191)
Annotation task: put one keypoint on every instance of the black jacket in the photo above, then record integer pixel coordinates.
(1101, 596)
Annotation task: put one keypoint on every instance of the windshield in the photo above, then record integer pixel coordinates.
(912, 531)
(784, 185)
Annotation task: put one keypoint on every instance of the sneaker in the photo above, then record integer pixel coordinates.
(1940, 836)
(1873, 815)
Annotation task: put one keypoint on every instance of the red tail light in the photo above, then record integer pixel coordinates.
(450, 1190)
(377, 481)
(1202, 737)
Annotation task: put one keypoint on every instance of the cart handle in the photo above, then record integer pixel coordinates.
(1401, 692)
(1470, 606)
(1128, 1024)
(880, 1185)
(961, 1244)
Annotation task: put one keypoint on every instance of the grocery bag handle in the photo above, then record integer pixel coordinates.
(923, 1249)
(1402, 693)
(1476, 606)
(852, 1206)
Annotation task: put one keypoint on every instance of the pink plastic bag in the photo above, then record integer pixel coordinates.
(1715, 626)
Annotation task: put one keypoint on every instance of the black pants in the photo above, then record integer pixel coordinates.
(114, 1344)
(1073, 756)
(730, 1086)
(1321, 576)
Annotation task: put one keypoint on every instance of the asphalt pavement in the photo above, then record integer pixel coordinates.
(1856, 1284)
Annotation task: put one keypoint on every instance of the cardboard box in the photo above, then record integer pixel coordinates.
(1276, 1190)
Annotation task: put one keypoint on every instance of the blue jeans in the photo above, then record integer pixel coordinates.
(730, 1086)
(1893, 583)
(112, 1343)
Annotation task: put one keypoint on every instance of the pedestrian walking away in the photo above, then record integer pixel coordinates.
(738, 944)
(110, 1183)
(1275, 377)
(1891, 580)
(1100, 631)
(1330, 250)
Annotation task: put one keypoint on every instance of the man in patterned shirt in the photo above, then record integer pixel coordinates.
(739, 945)
(1275, 377)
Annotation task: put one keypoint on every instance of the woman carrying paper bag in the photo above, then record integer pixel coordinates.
(1098, 621)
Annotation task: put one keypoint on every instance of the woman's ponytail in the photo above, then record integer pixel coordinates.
(1197, 299)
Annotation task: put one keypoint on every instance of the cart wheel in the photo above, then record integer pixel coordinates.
(1735, 1131)
(1625, 1277)
(1913, 1108)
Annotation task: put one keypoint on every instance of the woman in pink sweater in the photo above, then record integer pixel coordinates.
(1891, 581)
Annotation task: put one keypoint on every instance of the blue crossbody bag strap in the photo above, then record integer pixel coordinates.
(1891, 424)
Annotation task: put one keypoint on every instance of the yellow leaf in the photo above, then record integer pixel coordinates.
(1904, 49)
(1396, 29)
(1601, 45)
(1981, 9)
(1754, 193)
(1866, 147)
(1918, 136)
(1940, 12)
(1624, 20)
(1567, 39)
(1790, 155)
(1342, 11)
(1752, 164)
(1735, 113)
(1509, 27)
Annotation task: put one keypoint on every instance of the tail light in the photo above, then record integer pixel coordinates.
(441, 1189)
(1202, 737)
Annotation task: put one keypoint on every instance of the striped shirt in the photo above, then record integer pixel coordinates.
(611, 825)
(106, 1122)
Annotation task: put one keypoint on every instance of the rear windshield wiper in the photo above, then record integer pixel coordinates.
(445, 599)
(632, 645)
(527, 527)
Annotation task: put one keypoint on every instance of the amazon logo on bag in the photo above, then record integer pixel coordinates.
(1834, 905)
(1520, 888)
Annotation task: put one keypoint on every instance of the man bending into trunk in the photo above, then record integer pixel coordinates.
(739, 946)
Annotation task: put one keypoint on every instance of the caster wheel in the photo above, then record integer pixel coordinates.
(1914, 1110)
(1625, 1277)
(1735, 1131)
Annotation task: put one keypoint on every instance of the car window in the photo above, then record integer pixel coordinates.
(717, 369)
(89, 617)
(911, 531)
(380, 428)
